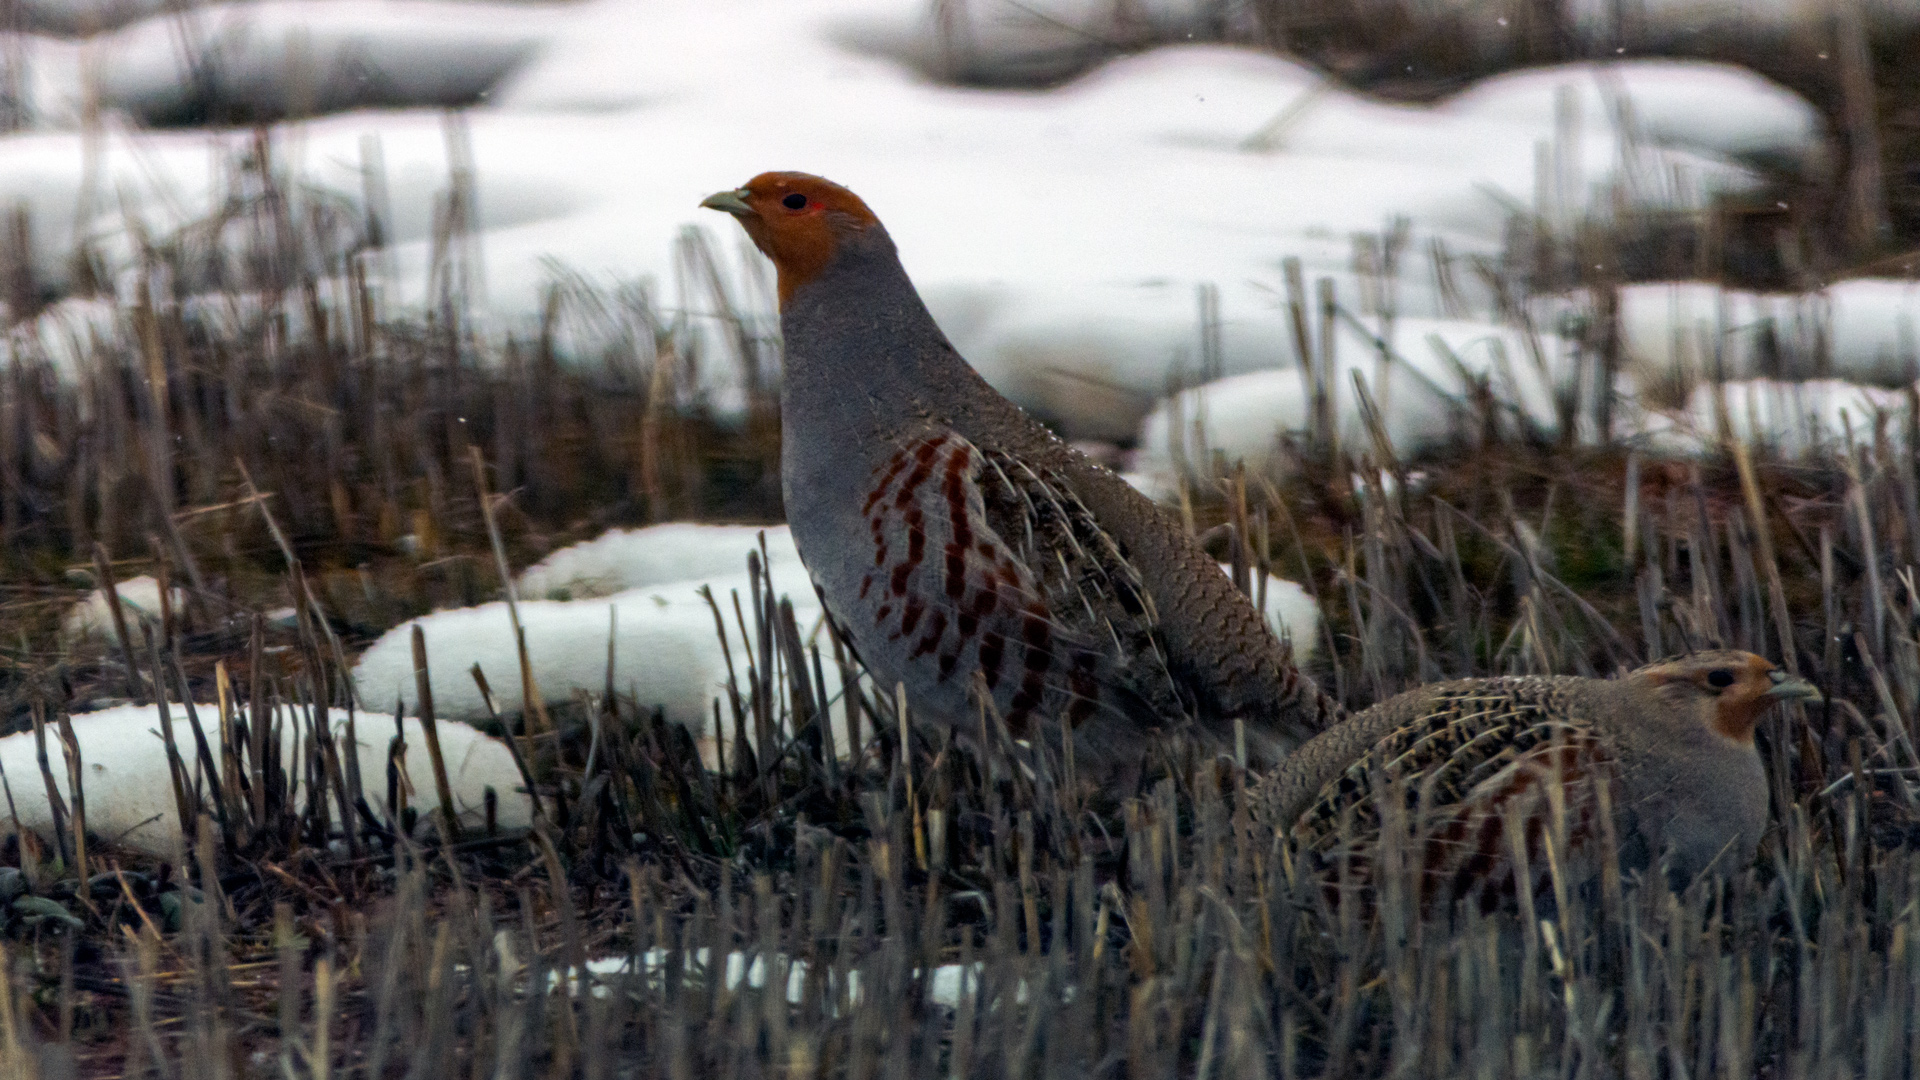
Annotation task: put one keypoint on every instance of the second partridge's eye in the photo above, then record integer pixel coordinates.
(795, 201)
(1720, 677)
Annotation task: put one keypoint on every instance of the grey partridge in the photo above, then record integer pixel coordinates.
(1481, 765)
(958, 543)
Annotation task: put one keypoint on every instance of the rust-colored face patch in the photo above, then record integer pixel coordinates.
(797, 220)
(1743, 702)
(1740, 686)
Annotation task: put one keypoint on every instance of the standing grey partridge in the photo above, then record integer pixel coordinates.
(1668, 747)
(953, 536)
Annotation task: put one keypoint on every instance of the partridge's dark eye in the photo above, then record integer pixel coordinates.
(795, 201)
(1720, 677)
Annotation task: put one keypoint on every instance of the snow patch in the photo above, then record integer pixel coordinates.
(1232, 158)
(129, 788)
(1703, 107)
(1291, 614)
(623, 559)
(92, 619)
(665, 648)
(1427, 396)
(1864, 330)
(1790, 419)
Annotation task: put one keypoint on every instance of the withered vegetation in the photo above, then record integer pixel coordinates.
(257, 428)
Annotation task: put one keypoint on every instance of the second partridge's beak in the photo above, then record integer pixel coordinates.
(732, 202)
(1791, 688)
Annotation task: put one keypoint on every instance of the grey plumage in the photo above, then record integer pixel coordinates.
(953, 535)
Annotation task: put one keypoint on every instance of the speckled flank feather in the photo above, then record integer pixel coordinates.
(1483, 773)
(981, 565)
(1478, 752)
(954, 538)
(1437, 727)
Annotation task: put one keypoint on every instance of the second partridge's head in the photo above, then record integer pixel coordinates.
(798, 220)
(1725, 690)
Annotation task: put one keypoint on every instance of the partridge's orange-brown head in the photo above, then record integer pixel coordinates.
(798, 220)
(1732, 689)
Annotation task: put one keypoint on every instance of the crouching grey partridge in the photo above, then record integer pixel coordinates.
(1484, 766)
(958, 543)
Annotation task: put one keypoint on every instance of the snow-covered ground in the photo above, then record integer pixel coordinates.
(945, 985)
(664, 646)
(92, 618)
(1799, 370)
(1433, 383)
(1791, 419)
(623, 559)
(129, 788)
(1061, 236)
(1865, 330)
(1432, 403)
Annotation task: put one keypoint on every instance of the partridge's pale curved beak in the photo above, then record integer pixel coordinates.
(1792, 688)
(731, 202)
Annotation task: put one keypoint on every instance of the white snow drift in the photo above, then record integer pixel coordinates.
(1061, 236)
(1790, 419)
(1291, 613)
(1427, 395)
(665, 649)
(129, 788)
(622, 559)
(1864, 330)
(92, 618)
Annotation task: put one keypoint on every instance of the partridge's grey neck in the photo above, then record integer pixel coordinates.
(829, 327)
